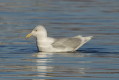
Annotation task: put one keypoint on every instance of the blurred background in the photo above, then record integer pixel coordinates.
(62, 18)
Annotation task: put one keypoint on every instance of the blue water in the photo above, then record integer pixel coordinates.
(96, 60)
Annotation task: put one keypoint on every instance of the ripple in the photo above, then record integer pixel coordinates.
(98, 59)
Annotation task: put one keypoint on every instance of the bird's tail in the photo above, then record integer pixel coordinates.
(86, 39)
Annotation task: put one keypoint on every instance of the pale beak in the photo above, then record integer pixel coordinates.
(28, 35)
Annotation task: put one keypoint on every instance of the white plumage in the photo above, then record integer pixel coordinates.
(49, 44)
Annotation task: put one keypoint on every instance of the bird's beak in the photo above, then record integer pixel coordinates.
(28, 35)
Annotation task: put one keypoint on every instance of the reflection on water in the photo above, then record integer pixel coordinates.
(66, 66)
(98, 59)
(76, 65)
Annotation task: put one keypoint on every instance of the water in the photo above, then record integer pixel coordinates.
(96, 60)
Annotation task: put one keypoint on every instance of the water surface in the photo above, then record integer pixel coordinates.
(96, 60)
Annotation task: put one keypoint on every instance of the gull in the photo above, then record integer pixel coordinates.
(49, 44)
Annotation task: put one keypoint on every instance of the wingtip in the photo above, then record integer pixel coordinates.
(88, 38)
(91, 37)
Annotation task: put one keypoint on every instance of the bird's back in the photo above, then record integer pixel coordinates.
(72, 43)
(67, 43)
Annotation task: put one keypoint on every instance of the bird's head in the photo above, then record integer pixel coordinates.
(38, 31)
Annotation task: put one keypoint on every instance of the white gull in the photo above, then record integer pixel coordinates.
(49, 44)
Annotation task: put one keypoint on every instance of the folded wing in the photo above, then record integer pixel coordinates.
(71, 43)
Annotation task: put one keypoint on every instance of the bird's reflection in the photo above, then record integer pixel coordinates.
(59, 64)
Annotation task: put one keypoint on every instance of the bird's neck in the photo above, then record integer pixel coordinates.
(42, 37)
(42, 42)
